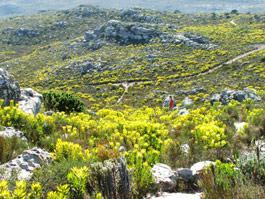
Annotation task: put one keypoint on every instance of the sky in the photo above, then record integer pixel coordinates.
(30, 6)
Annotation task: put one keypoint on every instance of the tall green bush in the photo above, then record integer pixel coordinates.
(63, 102)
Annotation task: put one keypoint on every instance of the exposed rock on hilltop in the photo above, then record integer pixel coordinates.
(86, 11)
(21, 32)
(135, 33)
(123, 33)
(189, 39)
(9, 87)
(137, 15)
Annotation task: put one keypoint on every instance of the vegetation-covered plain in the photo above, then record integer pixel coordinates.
(103, 102)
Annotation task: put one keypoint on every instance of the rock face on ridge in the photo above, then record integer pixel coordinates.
(137, 15)
(9, 87)
(123, 33)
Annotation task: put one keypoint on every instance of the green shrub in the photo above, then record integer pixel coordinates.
(253, 168)
(220, 180)
(63, 102)
(10, 148)
(77, 180)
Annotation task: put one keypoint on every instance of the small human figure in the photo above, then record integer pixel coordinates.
(171, 103)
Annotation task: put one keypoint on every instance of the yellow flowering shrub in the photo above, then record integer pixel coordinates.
(68, 151)
(210, 135)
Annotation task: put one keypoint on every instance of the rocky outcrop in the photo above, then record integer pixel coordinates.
(138, 15)
(189, 39)
(60, 24)
(21, 32)
(165, 177)
(86, 11)
(25, 32)
(122, 33)
(240, 95)
(136, 33)
(24, 165)
(9, 132)
(30, 101)
(86, 67)
(9, 87)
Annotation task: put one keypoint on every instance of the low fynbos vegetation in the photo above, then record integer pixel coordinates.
(102, 120)
(146, 136)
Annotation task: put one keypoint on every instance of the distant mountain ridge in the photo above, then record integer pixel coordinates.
(21, 7)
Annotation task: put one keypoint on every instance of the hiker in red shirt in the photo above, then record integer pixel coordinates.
(171, 103)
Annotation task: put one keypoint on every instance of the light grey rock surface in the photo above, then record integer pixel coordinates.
(200, 166)
(178, 196)
(164, 177)
(24, 165)
(10, 132)
(30, 101)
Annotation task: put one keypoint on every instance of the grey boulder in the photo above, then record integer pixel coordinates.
(165, 177)
(10, 132)
(30, 101)
(25, 164)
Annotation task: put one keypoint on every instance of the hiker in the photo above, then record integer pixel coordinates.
(171, 103)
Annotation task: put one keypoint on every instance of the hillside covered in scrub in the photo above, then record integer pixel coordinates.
(132, 103)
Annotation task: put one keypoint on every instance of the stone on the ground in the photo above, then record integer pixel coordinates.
(183, 111)
(198, 167)
(10, 132)
(30, 101)
(187, 102)
(178, 196)
(240, 126)
(185, 174)
(24, 165)
(185, 148)
(9, 87)
(164, 177)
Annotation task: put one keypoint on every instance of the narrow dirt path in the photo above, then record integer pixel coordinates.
(231, 61)
(126, 86)
(205, 72)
